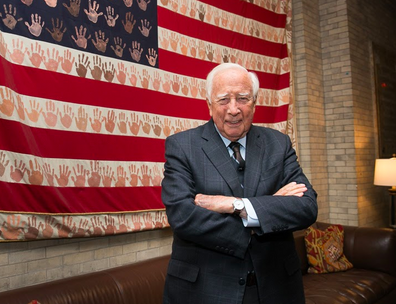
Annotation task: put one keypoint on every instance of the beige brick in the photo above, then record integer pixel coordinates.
(165, 250)
(108, 252)
(13, 269)
(122, 239)
(44, 264)
(4, 258)
(95, 265)
(27, 255)
(28, 279)
(94, 244)
(123, 259)
(147, 254)
(71, 271)
(135, 247)
(54, 274)
(60, 250)
(77, 258)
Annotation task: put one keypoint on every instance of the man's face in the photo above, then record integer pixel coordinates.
(232, 106)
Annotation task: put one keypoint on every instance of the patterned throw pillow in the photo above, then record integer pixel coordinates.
(325, 250)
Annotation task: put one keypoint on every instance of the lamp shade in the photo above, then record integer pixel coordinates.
(385, 172)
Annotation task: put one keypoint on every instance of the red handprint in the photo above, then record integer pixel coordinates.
(94, 180)
(35, 173)
(64, 229)
(17, 173)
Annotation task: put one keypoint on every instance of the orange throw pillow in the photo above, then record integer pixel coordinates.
(325, 250)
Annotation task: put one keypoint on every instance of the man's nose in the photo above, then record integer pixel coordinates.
(233, 107)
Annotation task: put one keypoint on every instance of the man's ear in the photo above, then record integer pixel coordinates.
(254, 105)
(209, 106)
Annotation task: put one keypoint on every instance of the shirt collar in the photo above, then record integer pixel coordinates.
(226, 141)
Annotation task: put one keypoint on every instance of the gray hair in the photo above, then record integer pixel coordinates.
(228, 66)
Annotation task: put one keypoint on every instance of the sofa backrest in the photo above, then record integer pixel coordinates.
(139, 283)
(371, 248)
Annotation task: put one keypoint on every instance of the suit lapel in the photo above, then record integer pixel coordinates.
(254, 162)
(215, 150)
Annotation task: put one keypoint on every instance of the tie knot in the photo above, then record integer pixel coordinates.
(234, 145)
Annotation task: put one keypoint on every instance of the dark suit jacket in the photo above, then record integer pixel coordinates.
(212, 253)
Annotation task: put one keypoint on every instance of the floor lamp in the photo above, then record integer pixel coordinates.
(385, 175)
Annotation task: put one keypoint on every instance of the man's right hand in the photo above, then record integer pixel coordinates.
(292, 189)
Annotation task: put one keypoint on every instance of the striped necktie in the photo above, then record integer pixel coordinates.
(235, 146)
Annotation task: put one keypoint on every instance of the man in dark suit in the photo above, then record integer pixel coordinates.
(233, 213)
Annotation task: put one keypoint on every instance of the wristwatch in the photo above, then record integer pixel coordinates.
(238, 205)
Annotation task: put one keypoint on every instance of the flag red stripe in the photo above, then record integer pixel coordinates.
(74, 145)
(178, 64)
(84, 91)
(247, 10)
(207, 32)
(271, 115)
(31, 198)
(183, 65)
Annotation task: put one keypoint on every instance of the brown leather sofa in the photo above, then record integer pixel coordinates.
(372, 279)
(372, 251)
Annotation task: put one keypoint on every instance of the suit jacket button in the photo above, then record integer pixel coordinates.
(231, 251)
(242, 281)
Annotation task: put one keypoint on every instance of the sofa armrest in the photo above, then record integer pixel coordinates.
(301, 251)
(369, 247)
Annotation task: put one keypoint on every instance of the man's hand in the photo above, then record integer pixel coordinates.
(292, 189)
(217, 203)
(224, 204)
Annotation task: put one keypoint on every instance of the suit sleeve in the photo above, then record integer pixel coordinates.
(220, 232)
(284, 213)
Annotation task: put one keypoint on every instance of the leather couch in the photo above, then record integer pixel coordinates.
(372, 251)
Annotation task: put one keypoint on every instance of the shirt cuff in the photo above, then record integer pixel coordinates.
(251, 220)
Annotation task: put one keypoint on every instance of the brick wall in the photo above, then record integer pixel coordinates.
(309, 95)
(370, 211)
(335, 99)
(338, 100)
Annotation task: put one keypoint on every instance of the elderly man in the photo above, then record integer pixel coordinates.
(234, 193)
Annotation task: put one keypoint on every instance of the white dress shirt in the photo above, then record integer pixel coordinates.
(251, 220)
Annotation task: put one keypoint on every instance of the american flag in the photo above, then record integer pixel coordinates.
(89, 90)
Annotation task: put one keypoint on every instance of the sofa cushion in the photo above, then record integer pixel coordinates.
(325, 250)
(353, 286)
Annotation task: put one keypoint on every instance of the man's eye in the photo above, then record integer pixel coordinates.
(243, 99)
(224, 101)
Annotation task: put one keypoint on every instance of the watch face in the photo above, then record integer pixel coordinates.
(239, 204)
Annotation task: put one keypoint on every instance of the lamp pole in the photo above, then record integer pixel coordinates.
(392, 193)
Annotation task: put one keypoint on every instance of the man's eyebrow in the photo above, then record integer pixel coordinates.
(227, 95)
(222, 95)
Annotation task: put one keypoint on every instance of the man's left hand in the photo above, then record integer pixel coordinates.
(217, 203)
